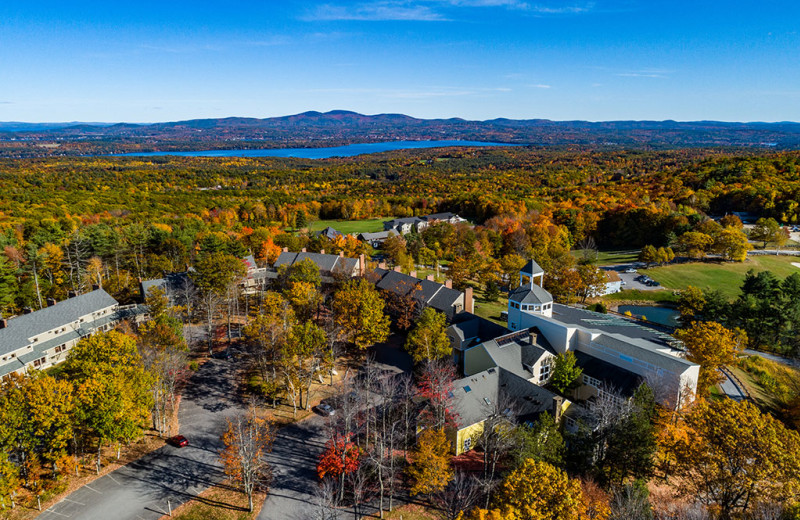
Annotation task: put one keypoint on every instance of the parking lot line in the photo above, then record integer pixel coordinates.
(93, 489)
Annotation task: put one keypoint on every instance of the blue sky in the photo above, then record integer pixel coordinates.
(478, 59)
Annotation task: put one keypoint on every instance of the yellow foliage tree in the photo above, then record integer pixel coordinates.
(540, 491)
(711, 346)
(431, 469)
(732, 456)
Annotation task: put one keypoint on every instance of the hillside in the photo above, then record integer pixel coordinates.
(342, 127)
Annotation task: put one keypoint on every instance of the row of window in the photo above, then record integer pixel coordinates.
(531, 306)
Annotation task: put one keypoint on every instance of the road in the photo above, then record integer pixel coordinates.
(774, 357)
(294, 457)
(141, 489)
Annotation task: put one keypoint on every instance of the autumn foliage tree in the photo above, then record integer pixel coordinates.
(430, 470)
(428, 340)
(539, 491)
(247, 440)
(711, 346)
(359, 310)
(730, 456)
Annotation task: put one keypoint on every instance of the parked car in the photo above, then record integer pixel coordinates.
(179, 441)
(504, 315)
(630, 270)
(325, 409)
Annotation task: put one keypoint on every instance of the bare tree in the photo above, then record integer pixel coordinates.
(497, 438)
(630, 502)
(461, 494)
(326, 502)
(247, 441)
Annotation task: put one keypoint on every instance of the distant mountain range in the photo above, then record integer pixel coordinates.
(342, 127)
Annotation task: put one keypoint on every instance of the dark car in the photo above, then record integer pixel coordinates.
(223, 354)
(179, 441)
(325, 409)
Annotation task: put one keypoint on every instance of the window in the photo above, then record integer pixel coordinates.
(467, 443)
(591, 381)
(544, 371)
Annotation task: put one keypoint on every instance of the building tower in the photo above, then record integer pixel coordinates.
(529, 297)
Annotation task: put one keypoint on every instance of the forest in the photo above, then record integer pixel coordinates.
(67, 224)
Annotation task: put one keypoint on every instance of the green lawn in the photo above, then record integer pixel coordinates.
(611, 257)
(350, 226)
(725, 277)
(490, 310)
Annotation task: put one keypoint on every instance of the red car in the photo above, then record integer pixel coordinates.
(179, 441)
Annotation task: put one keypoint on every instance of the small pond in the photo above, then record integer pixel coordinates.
(661, 315)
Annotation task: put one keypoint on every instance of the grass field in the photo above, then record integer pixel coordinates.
(611, 257)
(490, 310)
(350, 226)
(725, 277)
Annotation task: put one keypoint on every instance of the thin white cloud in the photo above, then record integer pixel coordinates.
(375, 12)
(432, 10)
(646, 73)
(540, 85)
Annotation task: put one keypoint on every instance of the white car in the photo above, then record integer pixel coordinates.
(630, 270)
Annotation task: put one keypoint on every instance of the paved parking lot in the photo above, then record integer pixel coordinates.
(169, 476)
(630, 278)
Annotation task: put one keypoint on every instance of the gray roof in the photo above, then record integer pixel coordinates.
(627, 337)
(429, 293)
(474, 329)
(20, 329)
(513, 351)
(250, 262)
(389, 224)
(325, 263)
(329, 233)
(171, 283)
(530, 293)
(380, 235)
(475, 397)
(439, 216)
(531, 268)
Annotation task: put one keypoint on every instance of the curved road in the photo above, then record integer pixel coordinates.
(141, 489)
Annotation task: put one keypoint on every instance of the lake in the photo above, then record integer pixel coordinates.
(349, 150)
(661, 315)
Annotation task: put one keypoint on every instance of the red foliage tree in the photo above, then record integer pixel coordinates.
(436, 386)
(341, 456)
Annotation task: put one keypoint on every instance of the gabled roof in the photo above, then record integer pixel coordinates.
(20, 329)
(170, 283)
(400, 221)
(514, 352)
(329, 233)
(429, 293)
(325, 263)
(250, 262)
(613, 276)
(380, 235)
(477, 396)
(532, 268)
(439, 216)
(468, 327)
(530, 293)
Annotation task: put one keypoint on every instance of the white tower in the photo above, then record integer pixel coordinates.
(529, 297)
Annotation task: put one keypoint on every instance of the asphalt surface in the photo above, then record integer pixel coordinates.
(294, 458)
(629, 279)
(145, 488)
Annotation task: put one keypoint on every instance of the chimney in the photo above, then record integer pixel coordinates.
(382, 265)
(398, 269)
(448, 284)
(322, 251)
(430, 277)
(341, 254)
(468, 306)
(557, 402)
(3, 323)
(96, 287)
(27, 310)
(285, 249)
(534, 337)
(51, 302)
(362, 264)
(303, 250)
(412, 274)
(72, 294)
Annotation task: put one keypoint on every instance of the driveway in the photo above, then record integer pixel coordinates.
(142, 489)
(294, 457)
